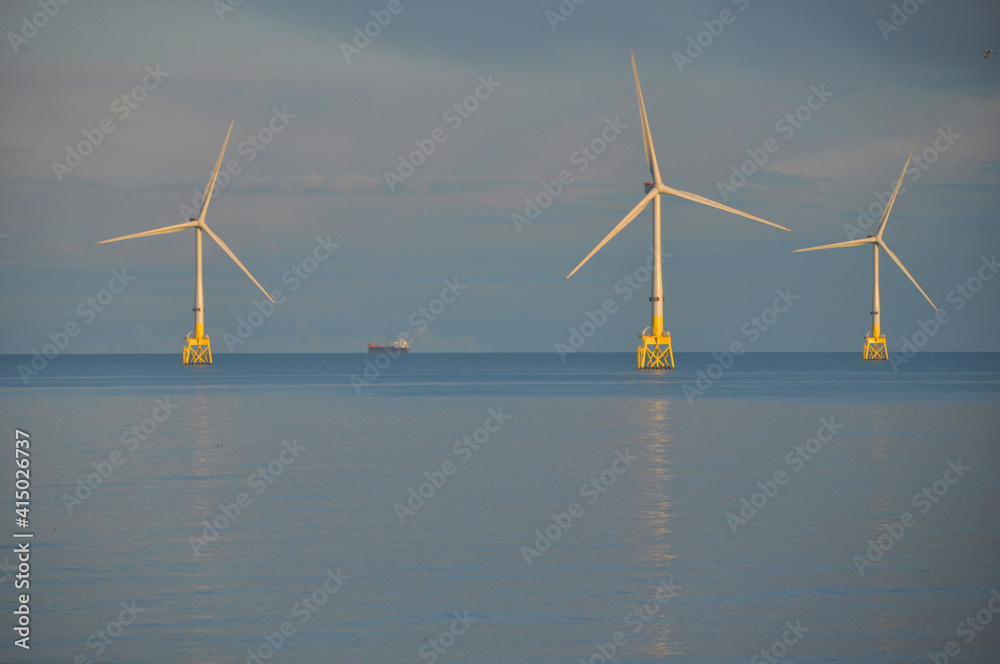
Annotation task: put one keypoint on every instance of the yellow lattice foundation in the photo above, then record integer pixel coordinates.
(655, 352)
(198, 351)
(875, 348)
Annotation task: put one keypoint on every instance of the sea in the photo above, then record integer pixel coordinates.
(502, 508)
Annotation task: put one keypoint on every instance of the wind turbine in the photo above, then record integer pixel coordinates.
(198, 349)
(875, 341)
(656, 351)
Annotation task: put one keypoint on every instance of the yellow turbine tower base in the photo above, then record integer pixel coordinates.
(875, 348)
(655, 352)
(198, 350)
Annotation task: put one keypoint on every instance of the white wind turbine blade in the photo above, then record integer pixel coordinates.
(653, 193)
(647, 137)
(906, 272)
(888, 207)
(226, 249)
(158, 231)
(706, 201)
(849, 243)
(215, 173)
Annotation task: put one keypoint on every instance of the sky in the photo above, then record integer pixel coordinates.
(437, 168)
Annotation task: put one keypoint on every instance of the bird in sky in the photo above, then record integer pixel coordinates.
(988, 51)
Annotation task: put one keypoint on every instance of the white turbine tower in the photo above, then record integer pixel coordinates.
(875, 342)
(656, 351)
(198, 349)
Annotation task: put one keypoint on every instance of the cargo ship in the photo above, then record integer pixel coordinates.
(399, 347)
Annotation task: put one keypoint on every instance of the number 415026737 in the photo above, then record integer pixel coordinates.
(22, 475)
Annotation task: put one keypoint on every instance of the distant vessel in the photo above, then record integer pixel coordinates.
(399, 347)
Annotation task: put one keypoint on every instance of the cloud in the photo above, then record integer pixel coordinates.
(310, 183)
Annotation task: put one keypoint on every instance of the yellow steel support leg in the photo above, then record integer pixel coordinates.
(655, 352)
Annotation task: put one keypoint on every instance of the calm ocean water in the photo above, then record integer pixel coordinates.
(507, 508)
